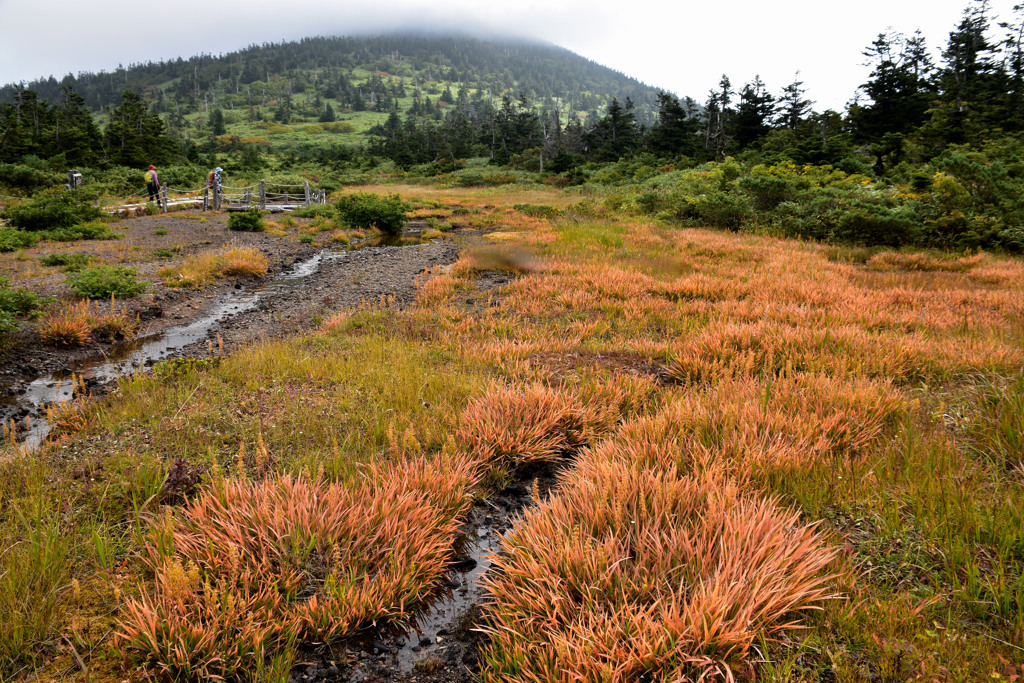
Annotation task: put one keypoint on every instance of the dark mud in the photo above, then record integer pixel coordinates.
(443, 642)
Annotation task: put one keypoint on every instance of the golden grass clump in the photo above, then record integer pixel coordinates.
(251, 566)
(923, 262)
(513, 426)
(203, 268)
(67, 326)
(745, 424)
(636, 573)
(768, 348)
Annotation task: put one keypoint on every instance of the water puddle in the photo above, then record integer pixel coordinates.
(440, 644)
(432, 629)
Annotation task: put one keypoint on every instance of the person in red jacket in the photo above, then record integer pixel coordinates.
(152, 183)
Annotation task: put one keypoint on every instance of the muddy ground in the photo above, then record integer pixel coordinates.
(304, 283)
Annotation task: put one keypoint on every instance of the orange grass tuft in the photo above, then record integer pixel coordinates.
(68, 326)
(76, 323)
(632, 573)
(250, 566)
(923, 262)
(512, 426)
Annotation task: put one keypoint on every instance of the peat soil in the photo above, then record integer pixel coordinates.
(303, 285)
(443, 642)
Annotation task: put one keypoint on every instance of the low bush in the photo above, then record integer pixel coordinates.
(315, 211)
(26, 179)
(104, 282)
(722, 210)
(70, 263)
(246, 221)
(52, 210)
(368, 210)
(15, 303)
(12, 239)
(94, 230)
(537, 210)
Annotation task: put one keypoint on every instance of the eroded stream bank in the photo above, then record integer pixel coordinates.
(289, 302)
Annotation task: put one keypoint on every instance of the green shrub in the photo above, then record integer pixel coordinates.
(15, 303)
(766, 191)
(70, 263)
(246, 221)
(874, 224)
(306, 239)
(94, 230)
(26, 179)
(722, 210)
(103, 282)
(436, 224)
(1012, 239)
(368, 210)
(12, 239)
(537, 210)
(18, 301)
(315, 211)
(649, 202)
(51, 210)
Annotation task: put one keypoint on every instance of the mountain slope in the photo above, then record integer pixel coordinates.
(355, 74)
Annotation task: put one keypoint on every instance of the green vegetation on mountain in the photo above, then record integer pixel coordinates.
(927, 153)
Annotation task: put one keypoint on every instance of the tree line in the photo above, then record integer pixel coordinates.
(910, 110)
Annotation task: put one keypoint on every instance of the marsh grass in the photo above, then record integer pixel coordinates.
(206, 267)
(342, 557)
(747, 427)
(76, 323)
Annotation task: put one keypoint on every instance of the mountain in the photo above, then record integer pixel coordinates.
(358, 80)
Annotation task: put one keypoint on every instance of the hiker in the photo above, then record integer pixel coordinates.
(213, 180)
(153, 183)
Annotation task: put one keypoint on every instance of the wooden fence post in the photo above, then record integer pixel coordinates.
(206, 199)
(306, 187)
(263, 195)
(163, 198)
(248, 197)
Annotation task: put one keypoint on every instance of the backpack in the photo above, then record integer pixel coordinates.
(209, 180)
(149, 177)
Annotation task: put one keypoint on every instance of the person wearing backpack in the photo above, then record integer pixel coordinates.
(153, 183)
(214, 179)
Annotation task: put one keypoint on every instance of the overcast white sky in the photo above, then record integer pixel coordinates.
(682, 46)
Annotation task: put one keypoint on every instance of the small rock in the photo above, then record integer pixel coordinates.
(463, 563)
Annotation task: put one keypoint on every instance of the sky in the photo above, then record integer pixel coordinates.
(681, 46)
